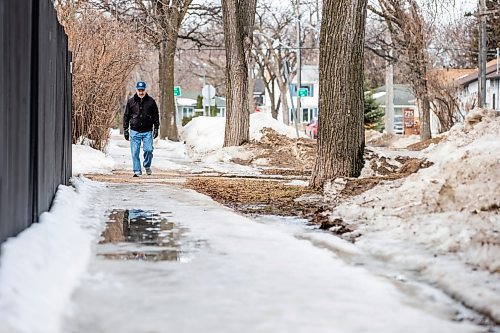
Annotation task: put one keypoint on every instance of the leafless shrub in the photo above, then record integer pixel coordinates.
(105, 51)
(445, 102)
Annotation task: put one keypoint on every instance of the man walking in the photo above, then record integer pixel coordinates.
(141, 113)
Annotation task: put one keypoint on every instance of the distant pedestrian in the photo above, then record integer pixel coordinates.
(141, 113)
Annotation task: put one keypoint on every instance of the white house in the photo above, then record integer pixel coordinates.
(187, 106)
(309, 103)
(469, 84)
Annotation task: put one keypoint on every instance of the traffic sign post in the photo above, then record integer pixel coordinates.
(208, 93)
(177, 91)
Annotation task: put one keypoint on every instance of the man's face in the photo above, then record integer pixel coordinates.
(141, 93)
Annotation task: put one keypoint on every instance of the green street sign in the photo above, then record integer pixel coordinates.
(177, 91)
(303, 92)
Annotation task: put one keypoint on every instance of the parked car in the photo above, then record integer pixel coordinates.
(312, 129)
(398, 124)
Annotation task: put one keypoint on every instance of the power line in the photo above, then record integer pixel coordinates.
(223, 49)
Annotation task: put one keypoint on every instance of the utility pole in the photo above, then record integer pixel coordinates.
(299, 67)
(389, 88)
(482, 55)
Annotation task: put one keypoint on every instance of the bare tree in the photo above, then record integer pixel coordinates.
(274, 36)
(238, 18)
(445, 103)
(340, 124)
(105, 51)
(159, 21)
(267, 76)
(410, 33)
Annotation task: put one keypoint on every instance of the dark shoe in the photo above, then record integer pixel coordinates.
(148, 171)
(136, 175)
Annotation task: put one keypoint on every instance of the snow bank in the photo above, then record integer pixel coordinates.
(89, 160)
(377, 139)
(206, 134)
(174, 150)
(449, 209)
(260, 120)
(40, 267)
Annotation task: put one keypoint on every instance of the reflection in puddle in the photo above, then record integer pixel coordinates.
(145, 235)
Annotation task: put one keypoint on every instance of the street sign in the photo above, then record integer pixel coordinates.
(303, 92)
(208, 91)
(177, 91)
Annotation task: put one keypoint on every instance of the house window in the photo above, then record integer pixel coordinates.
(494, 102)
(309, 87)
(187, 111)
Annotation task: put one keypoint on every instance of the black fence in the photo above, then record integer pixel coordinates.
(35, 111)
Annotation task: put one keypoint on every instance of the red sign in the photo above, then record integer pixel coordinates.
(409, 123)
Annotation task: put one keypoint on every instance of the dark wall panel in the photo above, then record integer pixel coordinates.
(35, 111)
(16, 171)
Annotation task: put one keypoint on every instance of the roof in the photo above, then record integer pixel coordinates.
(403, 95)
(491, 68)
(451, 75)
(182, 101)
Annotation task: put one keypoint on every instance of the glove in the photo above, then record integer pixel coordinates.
(155, 133)
(126, 134)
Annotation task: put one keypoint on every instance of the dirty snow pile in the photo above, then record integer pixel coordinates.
(377, 139)
(89, 160)
(443, 221)
(203, 135)
(41, 266)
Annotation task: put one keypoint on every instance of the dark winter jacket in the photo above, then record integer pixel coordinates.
(141, 114)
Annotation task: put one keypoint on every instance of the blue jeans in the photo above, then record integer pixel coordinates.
(135, 146)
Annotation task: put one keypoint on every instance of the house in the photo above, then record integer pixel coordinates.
(309, 103)
(469, 84)
(403, 100)
(259, 92)
(187, 106)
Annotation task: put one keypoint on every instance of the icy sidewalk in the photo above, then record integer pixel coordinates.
(241, 276)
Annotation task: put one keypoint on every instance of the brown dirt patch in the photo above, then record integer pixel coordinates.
(356, 186)
(384, 168)
(424, 144)
(412, 165)
(252, 195)
(269, 197)
(284, 152)
(127, 177)
(287, 172)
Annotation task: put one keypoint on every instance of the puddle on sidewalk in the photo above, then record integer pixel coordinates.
(138, 234)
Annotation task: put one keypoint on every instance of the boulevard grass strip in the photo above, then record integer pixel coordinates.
(254, 196)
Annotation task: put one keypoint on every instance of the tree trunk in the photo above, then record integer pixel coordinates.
(238, 17)
(284, 101)
(272, 98)
(168, 126)
(424, 107)
(340, 124)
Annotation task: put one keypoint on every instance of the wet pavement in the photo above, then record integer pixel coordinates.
(168, 259)
(136, 234)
